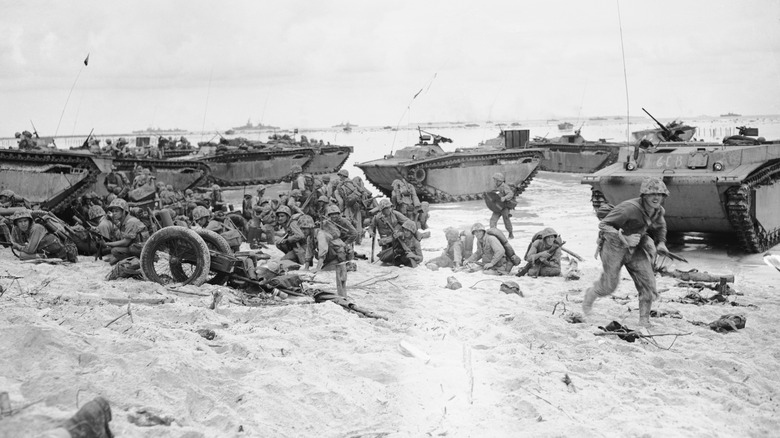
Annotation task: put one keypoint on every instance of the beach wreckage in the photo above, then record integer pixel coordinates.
(731, 187)
(463, 175)
(242, 162)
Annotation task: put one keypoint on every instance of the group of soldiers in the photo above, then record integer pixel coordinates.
(120, 149)
(323, 218)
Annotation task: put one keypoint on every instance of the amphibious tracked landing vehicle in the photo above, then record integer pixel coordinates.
(573, 154)
(52, 180)
(463, 175)
(240, 162)
(733, 187)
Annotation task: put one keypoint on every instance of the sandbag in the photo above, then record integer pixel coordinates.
(510, 252)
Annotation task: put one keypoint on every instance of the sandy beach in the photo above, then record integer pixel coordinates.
(467, 362)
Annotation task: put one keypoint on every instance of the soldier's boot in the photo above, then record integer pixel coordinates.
(644, 313)
(588, 300)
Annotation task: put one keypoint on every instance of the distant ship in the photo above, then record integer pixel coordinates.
(597, 118)
(564, 126)
(472, 125)
(151, 130)
(346, 127)
(731, 115)
(250, 126)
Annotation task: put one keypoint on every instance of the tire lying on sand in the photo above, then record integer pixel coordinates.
(175, 254)
(215, 242)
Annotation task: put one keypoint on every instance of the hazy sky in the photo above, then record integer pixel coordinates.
(319, 63)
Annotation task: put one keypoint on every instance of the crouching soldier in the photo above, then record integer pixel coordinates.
(544, 254)
(405, 249)
(632, 232)
(293, 242)
(131, 233)
(32, 240)
(453, 255)
(388, 222)
(329, 248)
(490, 255)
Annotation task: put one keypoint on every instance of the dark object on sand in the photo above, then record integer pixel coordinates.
(91, 421)
(616, 327)
(728, 323)
(207, 333)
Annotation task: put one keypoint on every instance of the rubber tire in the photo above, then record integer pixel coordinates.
(219, 244)
(203, 257)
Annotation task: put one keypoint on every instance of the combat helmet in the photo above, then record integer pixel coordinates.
(385, 203)
(547, 232)
(200, 212)
(409, 225)
(343, 172)
(118, 203)
(306, 221)
(95, 212)
(296, 169)
(7, 193)
(653, 185)
(284, 209)
(295, 193)
(324, 199)
(215, 187)
(188, 192)
(332, 209)
(477, 227)
(499, 176)
(21, 214)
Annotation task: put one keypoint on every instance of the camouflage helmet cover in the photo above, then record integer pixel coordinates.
(21, 214)
(306, 221)
(200, 212)
(409, 225)
(653, 185)
(95, 212)
(477, 227)
(385, 203)
(118, 203)
(498, 176)
(284, 209)
(343, 172)
(296, 169)
(332, 209)
(7, 193)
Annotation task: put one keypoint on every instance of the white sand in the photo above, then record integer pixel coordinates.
(469, 362)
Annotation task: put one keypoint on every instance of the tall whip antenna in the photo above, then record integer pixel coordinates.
(625, 75)
(86, 62)
(409, 107)
(208, 92)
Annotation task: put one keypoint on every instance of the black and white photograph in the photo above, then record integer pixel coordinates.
(389, 219)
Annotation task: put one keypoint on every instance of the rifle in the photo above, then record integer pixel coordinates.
(669, 135)
(94, 236)
(373, 243)
(524, 270)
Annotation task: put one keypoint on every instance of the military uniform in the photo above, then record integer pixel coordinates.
(544, 264)
(404, 198)
(506, 194)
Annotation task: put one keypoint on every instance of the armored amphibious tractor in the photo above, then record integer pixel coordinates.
(462, 175)
(731, 187)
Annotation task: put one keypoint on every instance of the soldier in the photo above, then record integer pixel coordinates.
(454, 254)
(101, 223)
(341, 228)
(329, 246)
(246, 206)
(404, 198)
(388, 223)
(633, 232)
(132, 233)
(260, 194)
(201, 217)
(545, 254)
(405, 249)
(296, 177)
(115, 179)
(215, 197)
(293, 242)
(490, 255)
(9, 199)
(142, 178)
(264, 217)
(320, 209)
(26, 141)
(348, 199)
(32, 240)
(507, 197)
